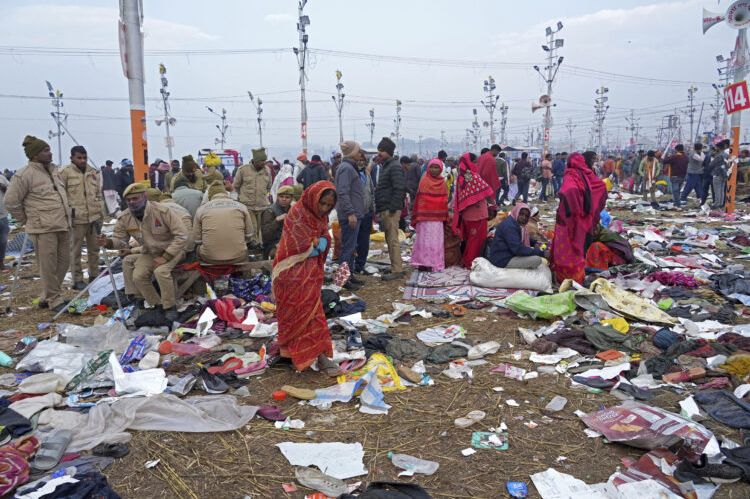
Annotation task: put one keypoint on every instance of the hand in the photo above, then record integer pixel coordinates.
(512, 179)
(101, 240)
(352, 221)
(159, 261)
(124, 252)
(281, 217)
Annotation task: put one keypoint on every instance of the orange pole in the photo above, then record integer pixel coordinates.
(732, 182)
(140, 144)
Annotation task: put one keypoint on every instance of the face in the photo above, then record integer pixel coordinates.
(175, 165)
(382, 156)
(79, 159)
(136, 202)
(435, 170)
(44, 156)
(325, 205)
(523, 216)
(284, 200)
(190, 176)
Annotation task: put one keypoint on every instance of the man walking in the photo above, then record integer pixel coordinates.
(558, 171)
(389, 201)
(85, 200)
(503, 173)
(109, 189)
(679, 168)
(350, 206)
(695, 173)
(36, 198)
(253, 185)
(523, 170)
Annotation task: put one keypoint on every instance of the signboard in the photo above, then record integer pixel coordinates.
(736, 97)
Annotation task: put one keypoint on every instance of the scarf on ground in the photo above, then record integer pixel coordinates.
(431, 204)
(525, 239)
(470, 188)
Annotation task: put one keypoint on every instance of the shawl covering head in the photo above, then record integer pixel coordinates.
(470, 188)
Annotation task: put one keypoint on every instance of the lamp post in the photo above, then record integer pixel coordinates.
(259, 110)
(168, 119)
(57, 115)
(301, 52)
(490, 103)
(221, 128)
(551, 69)
(338, 100)
(371, 125)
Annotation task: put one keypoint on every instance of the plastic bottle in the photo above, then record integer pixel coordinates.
(413, 464)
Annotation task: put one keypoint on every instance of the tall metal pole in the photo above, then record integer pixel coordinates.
(56, 97)
(371, 125)
(168, 120)
(503, 122)
(490, 104)
(397, 124)
(339, 101)
(131, 51)
(570, 126)
(600, 107)
(301, 53)
(633, 127)
(691, 108)
(259, 110)
(221, 128)
(552, 67)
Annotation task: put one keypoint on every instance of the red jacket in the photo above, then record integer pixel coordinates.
(488, 170)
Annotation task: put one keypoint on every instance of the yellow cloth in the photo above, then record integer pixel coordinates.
(738, 364)
(379, 237)
(618, 324)
(630, 304)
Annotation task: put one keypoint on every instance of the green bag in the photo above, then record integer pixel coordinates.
(542, 307)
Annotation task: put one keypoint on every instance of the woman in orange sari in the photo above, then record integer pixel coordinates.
(298, 278)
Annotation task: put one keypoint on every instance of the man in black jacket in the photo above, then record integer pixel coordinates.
(314, 172)
(389, 201)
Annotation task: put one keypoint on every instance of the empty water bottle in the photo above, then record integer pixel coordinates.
(413, 464)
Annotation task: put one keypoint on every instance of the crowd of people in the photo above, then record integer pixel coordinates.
(453, 209)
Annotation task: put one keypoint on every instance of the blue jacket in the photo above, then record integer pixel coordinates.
(558, 168)
(507, 243)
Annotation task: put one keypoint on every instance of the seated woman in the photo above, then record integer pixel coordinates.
(608, 249)
(511, 247)
(272, 220)
(298, 278)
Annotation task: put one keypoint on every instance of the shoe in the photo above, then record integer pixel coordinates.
(350, 286)
(655, 205)
(353, 341)
(171, 314)
(703, 472)
(211, 383)
(392, 276)
(59, 307)
(92, 279)
(140, 304)
(356, 281)
(43, 304)
(79, 285)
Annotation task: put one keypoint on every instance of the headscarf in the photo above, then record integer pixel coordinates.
(304, 225)
(431, 204)
(524, 230)
(468, 191)
(286, 176)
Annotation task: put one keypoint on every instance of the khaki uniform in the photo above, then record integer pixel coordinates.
(221, 230)
(186, 219)
(160, 233)
(36, 198)
(199, 184)
(253, 187)
(168, 179)
(85, 199)
(212, 174)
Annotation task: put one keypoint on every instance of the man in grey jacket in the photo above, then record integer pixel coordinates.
(694, 173)
(350, 206)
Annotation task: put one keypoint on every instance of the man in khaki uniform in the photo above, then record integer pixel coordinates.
(36, 198)
(253, 185)
(84, 196)
(192, 173)
(222, 228)
(163, 239)
(164, 198)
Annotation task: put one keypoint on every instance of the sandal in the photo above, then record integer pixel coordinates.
(317, 480)
(271, 413)
(299, 393)
(352, 365)
(111, 450)
(456, 310)
(52, 449)
(471, 418)
(231, 364)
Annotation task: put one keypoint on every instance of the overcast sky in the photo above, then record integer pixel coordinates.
(648, 39)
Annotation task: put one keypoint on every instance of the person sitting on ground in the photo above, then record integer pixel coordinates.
(163, 239)
(185, 196)
(298, 278)
(272, 220)
(512, 247)
(314, 172)
(429, 215)
(191, 172)
(164, 198)
(608, 249)
(222, 228)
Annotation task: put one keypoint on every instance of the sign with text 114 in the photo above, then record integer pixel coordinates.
(736, 98)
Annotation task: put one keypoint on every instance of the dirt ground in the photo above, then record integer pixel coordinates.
(246, 463)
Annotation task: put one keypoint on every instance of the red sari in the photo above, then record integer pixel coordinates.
(303, 331)
(582, 198)
(470, 209)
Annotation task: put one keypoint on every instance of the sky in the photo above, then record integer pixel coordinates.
(444, 51)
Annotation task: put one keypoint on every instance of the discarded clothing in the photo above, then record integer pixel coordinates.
(630, 304)
(725, 408)
(445, 353)
(402, 348)
(13, 423)
(674, 278)
(575, 339)
(607, 338)
(728, 284)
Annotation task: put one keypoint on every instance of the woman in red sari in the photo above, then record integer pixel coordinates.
(470, 211)
(582, 198)
(298, 277)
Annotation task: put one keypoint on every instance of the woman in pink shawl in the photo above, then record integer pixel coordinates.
(582, 198)
(470, 211)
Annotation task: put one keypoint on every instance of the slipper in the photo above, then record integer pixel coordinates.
(456, 310)
(331, 368)
(352, 365)
(409, 375)
(52, 449)
(299, 393)
(253, 369)
(111, 450)
(231, 364)
(471, 418)
(595, 382)
(271, 413)
(317, 480)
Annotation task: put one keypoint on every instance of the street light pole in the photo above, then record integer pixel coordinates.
(168, 120)
(490, 104)
(301, 53)
(259, 110)
(397, 125)
(633, 127)
(371, 125)
(56, 98)
(339, 101)
(691, 108)
(221, 128)
(570, 126)
(503, 122)
(600, 108)
(552, 67)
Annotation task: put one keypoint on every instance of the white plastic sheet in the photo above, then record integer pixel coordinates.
(337, 459)
(102, 286)
(145, 382)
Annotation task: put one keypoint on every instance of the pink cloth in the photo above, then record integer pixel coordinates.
(428, 250)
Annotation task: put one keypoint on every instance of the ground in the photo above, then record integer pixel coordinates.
(246, 462)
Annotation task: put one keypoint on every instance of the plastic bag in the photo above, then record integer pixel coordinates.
(542, 307)
(486, 275)
(59, 358)
(389, 379)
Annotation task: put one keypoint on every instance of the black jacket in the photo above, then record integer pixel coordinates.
(314, 172)
(412, 178)
(391, 189)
